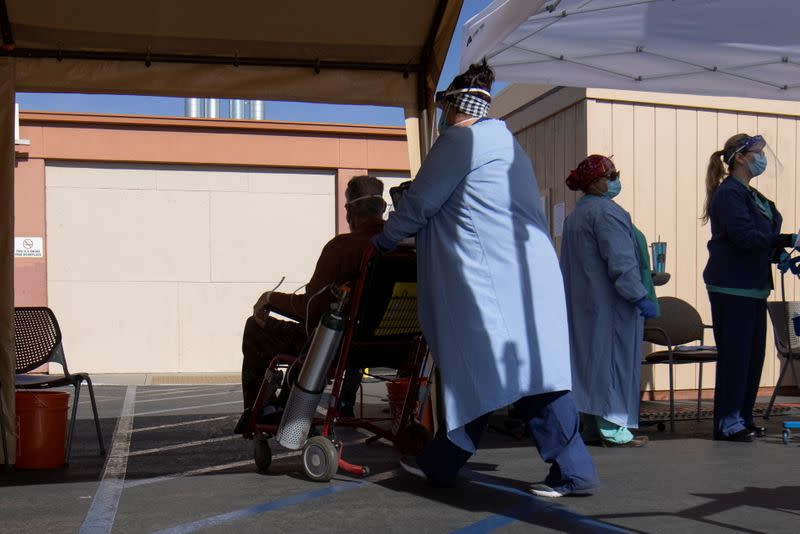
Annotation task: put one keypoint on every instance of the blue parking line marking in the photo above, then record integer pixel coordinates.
(486, 525)
(532, 506)
(259, 509)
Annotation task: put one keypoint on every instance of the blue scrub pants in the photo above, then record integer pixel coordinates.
(740, 330)
(553, 421)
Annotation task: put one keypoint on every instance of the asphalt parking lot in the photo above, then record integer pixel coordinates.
(174, 466)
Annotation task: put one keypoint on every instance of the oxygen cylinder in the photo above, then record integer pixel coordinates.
(304, 397)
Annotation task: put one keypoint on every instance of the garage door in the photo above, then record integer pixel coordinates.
(155, 268)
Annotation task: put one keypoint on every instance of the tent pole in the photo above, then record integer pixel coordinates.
(413, 140)
(6, 252)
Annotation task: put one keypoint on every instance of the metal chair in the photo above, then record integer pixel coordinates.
(37, 341)
(787, 343)
(678, 324)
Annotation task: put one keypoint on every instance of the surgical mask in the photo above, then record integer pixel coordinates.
(613, 188)
(758, 165)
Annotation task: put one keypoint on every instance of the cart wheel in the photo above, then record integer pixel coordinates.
(787, 436)
(320, 459)
(414, 439)
(262, 453)
(661, 427)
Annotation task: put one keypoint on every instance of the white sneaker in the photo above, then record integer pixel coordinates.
(543, 490)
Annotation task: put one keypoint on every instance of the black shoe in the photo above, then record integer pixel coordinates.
(742, 436)
(409, 465)
(759, 431)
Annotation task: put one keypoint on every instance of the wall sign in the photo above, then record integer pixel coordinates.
(28, 247)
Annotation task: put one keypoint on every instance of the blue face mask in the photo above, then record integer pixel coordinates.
(613, 188)
(758, 165)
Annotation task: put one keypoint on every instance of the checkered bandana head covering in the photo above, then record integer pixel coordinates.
(471, 100)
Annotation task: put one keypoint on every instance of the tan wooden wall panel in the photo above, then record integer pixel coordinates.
(623, 149)
(663, 153)
(556, 145)
(785, 146)
(684, 253)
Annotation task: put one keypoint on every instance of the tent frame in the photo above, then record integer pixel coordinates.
(19, 65)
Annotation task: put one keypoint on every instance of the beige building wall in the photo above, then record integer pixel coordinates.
(161, 233)
(160, 265)
(661, 144)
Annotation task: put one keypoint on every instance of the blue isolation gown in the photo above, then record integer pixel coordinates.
(602, 278)
(490, 293)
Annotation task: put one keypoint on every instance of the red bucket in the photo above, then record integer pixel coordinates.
(41, 429)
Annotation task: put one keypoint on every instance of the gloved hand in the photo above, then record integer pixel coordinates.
(261, 309)
(789, 263)
(783, 262)
(647, 308)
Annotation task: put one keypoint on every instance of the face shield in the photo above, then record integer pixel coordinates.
(754, 148)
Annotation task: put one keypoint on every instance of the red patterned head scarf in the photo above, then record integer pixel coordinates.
(589, 170)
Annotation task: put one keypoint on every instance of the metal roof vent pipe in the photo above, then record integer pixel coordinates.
(193, 107)
(237, 109)
(257, 110)
(212, 108)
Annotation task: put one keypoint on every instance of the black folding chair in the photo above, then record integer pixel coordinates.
(676, 326)
(37, 341)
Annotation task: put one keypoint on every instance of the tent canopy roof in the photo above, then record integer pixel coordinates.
(713, 47)
(382, 45)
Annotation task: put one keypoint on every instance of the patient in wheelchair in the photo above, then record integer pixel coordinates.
(266, 336)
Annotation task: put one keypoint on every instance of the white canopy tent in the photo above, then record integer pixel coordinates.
(705, 47)
(355, 52)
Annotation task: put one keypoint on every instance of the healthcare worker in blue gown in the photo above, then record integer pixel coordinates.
(745, 240)
(609, 294)
(490, 294)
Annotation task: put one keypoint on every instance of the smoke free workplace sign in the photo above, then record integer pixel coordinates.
(28, 247)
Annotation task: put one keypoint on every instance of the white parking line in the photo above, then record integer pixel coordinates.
(184, 445)
(88, 400)
(186, 397)
(185, 423)
(169, 410)
(204, 470)
(182, 389)
(100, 517)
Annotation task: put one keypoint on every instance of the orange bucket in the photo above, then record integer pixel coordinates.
(41, 429)
(397, 391)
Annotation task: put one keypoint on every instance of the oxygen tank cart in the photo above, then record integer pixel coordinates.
(320, 453)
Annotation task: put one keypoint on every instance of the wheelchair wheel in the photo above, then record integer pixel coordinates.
(414, 439)
(262, 453)
(320, 459)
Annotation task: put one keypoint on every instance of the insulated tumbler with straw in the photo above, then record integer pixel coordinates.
(659, 249)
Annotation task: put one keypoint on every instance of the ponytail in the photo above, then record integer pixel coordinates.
(716, 170)
(714, 176)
